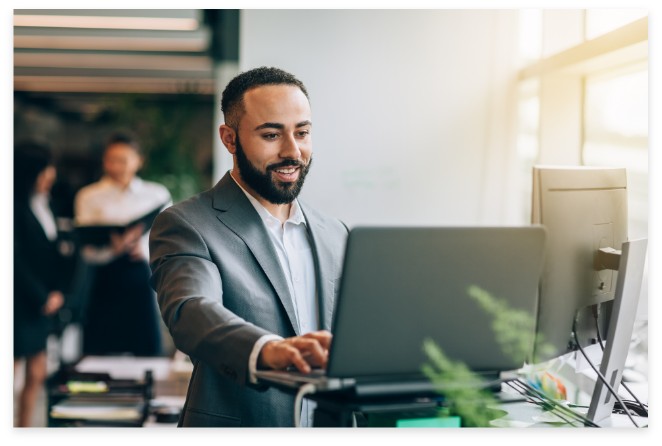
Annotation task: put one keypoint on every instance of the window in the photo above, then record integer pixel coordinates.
(584, 99)
(527, 140)
(602, 21)
(616, 134)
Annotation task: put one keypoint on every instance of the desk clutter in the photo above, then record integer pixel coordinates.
(115, 392)
(96, 399)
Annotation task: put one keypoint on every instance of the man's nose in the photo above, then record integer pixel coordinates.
(290, 148)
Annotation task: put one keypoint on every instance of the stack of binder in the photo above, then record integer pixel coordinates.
(95, 399)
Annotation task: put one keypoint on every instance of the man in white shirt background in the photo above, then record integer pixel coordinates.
(121, 315)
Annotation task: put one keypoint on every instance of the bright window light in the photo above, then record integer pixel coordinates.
(616, 134)
(530, 35)
(601, 21)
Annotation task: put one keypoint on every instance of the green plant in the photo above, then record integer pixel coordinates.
(463, 389)
(513, 328)
(166, 131)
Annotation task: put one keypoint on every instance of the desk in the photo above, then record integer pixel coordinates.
(131, 399)
(335, 409)
(423, 410)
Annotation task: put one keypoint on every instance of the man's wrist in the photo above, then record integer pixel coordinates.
(255, 354)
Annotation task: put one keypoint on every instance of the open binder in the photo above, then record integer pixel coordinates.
(99, 235)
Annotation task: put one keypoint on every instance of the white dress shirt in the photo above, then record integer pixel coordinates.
(290, 239)
(42, 211)
(106, 202)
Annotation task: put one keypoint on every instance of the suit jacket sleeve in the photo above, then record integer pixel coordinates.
(30, 283)
(189, 290)
(32, 287)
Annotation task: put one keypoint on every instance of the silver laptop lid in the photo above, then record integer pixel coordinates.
(401, 285)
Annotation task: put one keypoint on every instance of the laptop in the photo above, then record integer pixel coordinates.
(401, 285)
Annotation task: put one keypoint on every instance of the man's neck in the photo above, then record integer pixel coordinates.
(280, 211)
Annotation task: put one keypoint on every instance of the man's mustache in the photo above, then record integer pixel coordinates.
(286, 163)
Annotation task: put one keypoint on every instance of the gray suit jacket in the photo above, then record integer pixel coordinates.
(220, 287)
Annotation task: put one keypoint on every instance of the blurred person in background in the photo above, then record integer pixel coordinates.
(38, 280)
(121, 316)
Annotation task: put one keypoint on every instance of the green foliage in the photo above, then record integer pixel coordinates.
(163, 130)
(513, 330)
(460, 387)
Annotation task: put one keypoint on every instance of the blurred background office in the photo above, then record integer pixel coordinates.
(41, 281)
(421, 117)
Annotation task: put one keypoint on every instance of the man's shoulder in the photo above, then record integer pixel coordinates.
(90, 189)
(153, 187)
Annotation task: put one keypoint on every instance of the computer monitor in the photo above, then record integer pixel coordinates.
(590, 269)
(584, 210)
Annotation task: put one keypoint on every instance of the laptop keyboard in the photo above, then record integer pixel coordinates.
(314, 373)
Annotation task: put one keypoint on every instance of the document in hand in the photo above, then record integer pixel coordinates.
(99, 235)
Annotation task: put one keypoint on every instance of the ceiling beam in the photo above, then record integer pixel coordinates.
(86, 84)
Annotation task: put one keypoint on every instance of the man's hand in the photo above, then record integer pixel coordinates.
(126, 242)
(311, 349)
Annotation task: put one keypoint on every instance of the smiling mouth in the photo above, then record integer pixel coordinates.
(287, 173)
(286, 170)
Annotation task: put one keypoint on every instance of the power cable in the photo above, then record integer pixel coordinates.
(596, 314)
(306, 389)
(602, 378)
(549, 403)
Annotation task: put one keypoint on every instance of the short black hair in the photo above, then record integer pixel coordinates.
(30, 159)
(124, 137)
(232, 100)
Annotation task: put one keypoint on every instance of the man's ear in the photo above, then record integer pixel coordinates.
(228, 138)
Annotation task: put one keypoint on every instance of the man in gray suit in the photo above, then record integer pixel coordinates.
(246, 274)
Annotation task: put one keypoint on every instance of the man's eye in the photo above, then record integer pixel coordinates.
(304, 133)
(270, 136)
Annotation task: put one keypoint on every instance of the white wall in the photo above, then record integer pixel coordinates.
(412, 110)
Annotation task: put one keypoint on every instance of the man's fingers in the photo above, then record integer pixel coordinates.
(282, 354)
(311, 350)
(324, 337)
(299, 351)
(297, 360)
(133, 233)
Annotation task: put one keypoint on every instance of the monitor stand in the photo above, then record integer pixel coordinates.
(621, 324)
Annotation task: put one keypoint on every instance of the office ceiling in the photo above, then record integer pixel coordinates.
(111, 51)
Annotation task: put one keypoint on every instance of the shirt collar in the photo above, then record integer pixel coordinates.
(134, 186)
(40, 198)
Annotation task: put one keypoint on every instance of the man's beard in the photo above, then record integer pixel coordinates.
(274, 191)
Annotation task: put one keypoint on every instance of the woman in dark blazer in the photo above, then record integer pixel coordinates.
(38, 284)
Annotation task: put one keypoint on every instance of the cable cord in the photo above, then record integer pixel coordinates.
(548, 403)
(602, 378)
(596, 315)
(304, 390)
(542, 403)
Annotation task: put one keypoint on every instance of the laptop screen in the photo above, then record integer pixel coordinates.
(403, 285)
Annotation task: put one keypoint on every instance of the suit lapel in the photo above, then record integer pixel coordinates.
(237, 213)
(323, 264)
